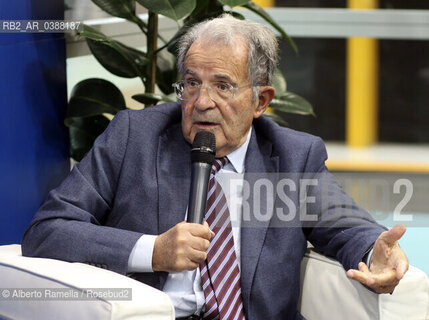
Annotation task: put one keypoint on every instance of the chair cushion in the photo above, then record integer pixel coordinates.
(18, 272)
(327, 293)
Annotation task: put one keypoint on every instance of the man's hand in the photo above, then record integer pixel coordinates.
(182, 247)
(388, 263)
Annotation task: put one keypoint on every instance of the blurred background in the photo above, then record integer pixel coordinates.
(362, 64)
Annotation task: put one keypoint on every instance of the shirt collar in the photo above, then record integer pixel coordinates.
(236, 158)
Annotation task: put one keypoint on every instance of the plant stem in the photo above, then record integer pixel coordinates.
(152, 37)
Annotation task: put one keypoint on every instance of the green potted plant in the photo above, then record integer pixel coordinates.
(92, 98)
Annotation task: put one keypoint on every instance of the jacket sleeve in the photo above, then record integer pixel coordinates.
(342, 229)
(68, 226)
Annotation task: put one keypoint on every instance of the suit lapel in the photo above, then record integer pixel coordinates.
(174, 178)
(258, 162)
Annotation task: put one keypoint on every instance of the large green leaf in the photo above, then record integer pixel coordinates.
(116, 57)
(190, 21)
(92, 97)
(279, 82)
(173, 9)
(204, 8)
(234, 3)
(236, 15)
(83, 133)
(91, 33)
(263, 14)
(119, 8)
(292, 103)
(151, 98)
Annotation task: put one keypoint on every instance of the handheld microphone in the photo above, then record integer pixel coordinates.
(202, 154)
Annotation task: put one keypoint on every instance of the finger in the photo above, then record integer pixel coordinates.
(197, 256)
(201, 230)
(200, 244)
(382, 283)
(369, 278)
(360, 276)
(366, 273)
(187, 259)
(401, 269)
(394, 234)
(212, 234)
(190, 265)
(363, 267)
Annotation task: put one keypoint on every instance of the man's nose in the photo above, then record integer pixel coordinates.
(204, 101)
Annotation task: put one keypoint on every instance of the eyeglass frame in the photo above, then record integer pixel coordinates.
(232, 89)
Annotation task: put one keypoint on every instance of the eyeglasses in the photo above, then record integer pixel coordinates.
(190, 90)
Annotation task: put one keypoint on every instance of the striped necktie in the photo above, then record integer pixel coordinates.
(220, 274)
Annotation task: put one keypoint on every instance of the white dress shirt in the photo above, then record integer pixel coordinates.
(184, 288)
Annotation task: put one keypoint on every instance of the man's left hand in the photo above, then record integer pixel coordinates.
(388, 263)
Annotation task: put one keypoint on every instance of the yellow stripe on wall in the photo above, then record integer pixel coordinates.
(362, 4)
(264, 3)
(362, 85)
(415, 167)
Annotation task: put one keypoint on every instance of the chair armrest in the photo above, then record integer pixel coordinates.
(18, 272)
(327, 293)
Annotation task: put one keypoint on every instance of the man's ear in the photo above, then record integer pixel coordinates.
(266, 94)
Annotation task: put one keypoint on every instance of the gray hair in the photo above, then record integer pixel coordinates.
(262, 45)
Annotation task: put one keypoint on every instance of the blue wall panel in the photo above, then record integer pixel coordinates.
(33, 139)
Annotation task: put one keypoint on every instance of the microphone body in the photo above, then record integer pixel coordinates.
(200, 177)
(202, 155)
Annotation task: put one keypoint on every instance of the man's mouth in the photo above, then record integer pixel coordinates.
(205, 124)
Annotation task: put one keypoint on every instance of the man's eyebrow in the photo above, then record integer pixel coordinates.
(216, 76)
(224, 77)
(192, 73)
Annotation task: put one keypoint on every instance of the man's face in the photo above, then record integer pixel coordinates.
(229, 120)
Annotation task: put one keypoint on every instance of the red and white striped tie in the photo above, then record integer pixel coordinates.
(220, 275)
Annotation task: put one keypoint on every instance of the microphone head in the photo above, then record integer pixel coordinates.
(204, 147)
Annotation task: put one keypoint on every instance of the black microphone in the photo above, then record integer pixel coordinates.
(202, 154)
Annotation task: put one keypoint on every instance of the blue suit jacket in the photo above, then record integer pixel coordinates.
(136, 181)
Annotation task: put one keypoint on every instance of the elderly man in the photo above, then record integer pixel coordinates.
(123, 207)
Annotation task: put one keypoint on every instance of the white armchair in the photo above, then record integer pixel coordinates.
(326, 292)
(17, 272)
